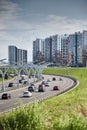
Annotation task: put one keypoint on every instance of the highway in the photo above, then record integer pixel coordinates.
(17, 94)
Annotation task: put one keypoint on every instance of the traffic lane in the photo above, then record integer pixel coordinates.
(17, 94)
(15, 83)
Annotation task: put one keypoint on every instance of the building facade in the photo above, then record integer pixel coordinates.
(38, 51)
(75, 47)
(16, 56)
(63, 50)
(12, 55)
(52, 48)
(65, 53)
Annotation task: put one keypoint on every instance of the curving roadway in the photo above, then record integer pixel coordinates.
(17, 94)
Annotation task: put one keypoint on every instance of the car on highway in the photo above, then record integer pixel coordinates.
(20, 81)
(48, 80)
(6, 96)
(60, 79)
(46, 83)
(25, 82)
(53, 78)
(31, 88)
(41, 88)
(56, 87)
(27, 94)
(10, 84)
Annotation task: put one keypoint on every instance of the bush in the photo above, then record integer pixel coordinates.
(24, 118)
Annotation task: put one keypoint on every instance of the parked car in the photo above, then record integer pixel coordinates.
(27, 94)
(6, 96)
(56, 88)
(41, 88)
(31, 88)
(10, 84)
(53, 78)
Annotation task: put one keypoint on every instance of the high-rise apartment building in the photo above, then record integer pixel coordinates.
(75, 47)
(84, 40)
(52, 48)
(16, 56)
(38, 51)
(56, 47)
(64, 50)
(48, 49)
(84, 37)
(12, 55)
(65, 54)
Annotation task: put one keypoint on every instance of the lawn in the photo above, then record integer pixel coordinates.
(71, 106)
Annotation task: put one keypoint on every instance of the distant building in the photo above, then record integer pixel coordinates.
(75, 47)
(52, 48)
(62, 50)
(84, 51)
(38, 51)
(12, 55)
(16, 56)
(84, 38)
(65, 54)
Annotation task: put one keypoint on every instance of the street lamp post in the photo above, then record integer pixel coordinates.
(3, 72)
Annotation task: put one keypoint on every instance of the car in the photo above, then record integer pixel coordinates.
(6, 96)
(20, 81)
(25, 82)
(42, 77)
(48, 80)
(56, 88)
(53, 78)
(46, 83)
(10, 84)
(43, 82)
(31, 88)
(41, 88)
(27, 94)
(60, 79)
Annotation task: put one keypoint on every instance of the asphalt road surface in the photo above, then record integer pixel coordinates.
(17, 94)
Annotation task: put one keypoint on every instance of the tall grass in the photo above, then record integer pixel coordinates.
(24, 118)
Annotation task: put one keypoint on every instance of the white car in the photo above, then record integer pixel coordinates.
(27, 94)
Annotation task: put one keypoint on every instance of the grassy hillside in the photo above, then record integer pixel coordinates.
(70, 107)
(64, 112)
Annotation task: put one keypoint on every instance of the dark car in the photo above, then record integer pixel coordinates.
(60, 79)
(10, 85)
(41, 88)
(56, 88)
(31, 88)
(20, 81)
(53, 78)
(25, 82)
(6, 96)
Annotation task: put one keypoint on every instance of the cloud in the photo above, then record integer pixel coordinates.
(62, 24)
(7, 9)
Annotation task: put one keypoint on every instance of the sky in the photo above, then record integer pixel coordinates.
(22, 21)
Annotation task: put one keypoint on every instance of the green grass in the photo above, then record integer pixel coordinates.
(64, 112)
(72, 105)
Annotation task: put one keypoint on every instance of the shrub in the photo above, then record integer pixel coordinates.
(24, 118)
